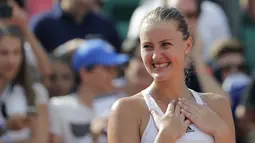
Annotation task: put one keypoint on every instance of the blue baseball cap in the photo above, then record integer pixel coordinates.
(96, 52)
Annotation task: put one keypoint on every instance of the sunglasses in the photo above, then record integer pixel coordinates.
(229, 67)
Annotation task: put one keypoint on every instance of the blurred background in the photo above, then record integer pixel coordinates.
(39, 77)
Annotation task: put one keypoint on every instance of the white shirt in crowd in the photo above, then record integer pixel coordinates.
(16, 103)
(212, 24)
(71, 120)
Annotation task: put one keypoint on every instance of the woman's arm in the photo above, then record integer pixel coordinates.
(123, 124)
(42, 125)
(40, 53)
(20, 18)
(219, 104)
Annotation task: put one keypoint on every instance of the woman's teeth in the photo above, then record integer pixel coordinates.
(163, 65)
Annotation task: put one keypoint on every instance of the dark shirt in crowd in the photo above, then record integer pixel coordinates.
(55, 27)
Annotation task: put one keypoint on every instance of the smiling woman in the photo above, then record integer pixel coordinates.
(164, 111)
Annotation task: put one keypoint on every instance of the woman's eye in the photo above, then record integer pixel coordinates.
(146, 46)
(166, 44)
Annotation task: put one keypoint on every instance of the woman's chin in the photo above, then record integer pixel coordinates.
(160, 77)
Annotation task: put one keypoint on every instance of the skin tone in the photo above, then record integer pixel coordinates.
(89, 88)
(163, 52)
(11, 57)
(63, 80)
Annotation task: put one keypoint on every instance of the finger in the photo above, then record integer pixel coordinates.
(177, 110)
(191, 104)
(170, 107)
(182, 117)
(188, 108)
(190, 116)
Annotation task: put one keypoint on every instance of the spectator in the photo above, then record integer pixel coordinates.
(19, 92)
(71, 115)
(37, 59)
(228, 56)
(136, 79)
(73, 19)
(62, 80)
(200, 14)
(248, 33)
(230, 68)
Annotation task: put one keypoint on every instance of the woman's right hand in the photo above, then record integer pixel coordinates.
(172, 125)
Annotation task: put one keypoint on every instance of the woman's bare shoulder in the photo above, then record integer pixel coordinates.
(215, 99)
(131, 103)
(220, 104)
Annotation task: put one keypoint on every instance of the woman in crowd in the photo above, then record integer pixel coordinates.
(23, 102)
(179, 113)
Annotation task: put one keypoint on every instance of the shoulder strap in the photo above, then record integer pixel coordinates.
(197, 97)
(152, 105)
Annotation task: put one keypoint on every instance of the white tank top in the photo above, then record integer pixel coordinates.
(192, 135)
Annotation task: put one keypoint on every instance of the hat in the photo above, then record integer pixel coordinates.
(96, 52)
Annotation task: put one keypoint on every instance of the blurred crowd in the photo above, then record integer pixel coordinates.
(63, 63)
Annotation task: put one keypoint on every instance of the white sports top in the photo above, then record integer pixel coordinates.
(192, 135)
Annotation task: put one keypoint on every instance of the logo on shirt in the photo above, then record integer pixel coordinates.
(80, 130)
(189, 129)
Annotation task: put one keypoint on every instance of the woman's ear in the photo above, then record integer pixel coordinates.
(189, 45)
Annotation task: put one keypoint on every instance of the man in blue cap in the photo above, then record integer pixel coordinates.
(96, 64)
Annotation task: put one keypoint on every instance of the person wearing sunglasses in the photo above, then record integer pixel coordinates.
(230, 69)
(229, 58)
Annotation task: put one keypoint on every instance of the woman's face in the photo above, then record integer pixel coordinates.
(11, 56)
(163, 50)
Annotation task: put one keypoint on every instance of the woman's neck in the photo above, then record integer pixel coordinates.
(165, 91)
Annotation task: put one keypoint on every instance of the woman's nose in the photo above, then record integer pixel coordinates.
(157, 54)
